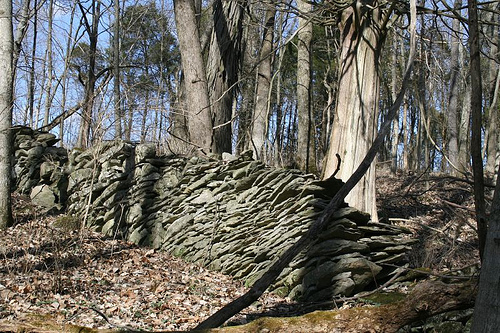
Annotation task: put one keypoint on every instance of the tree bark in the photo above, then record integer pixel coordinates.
(6, 104)
(476, 110)
(453, 106)
(195, 79)
(31, 87)
(48, 89)
(264, 72)
(306, 143)
(486, 311)
(355, 120)
(395, 123)
(116, 71)
(223, 66)
(88, 107)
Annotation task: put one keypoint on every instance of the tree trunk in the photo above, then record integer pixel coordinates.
(195, 79)
(48, 89)
(223, 66)
(464, 131)
(476, 110)
(264, 72)
(306, 143)
(395, 123)
(356, 115)
(486, 311)
(88, 107)
(6, 104)
(453, 106)
(116, 71)
(31, 87)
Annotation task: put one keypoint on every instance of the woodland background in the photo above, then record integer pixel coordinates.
(303, 84)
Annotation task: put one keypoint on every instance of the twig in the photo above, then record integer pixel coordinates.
(458, 206)
(441, 276)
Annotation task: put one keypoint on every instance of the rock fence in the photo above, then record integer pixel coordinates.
(233, 215)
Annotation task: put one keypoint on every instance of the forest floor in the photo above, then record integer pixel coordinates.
(82, 277)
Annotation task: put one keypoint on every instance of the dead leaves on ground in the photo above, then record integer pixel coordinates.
(89, 280)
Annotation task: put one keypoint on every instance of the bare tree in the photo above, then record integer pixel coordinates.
(355, 121)
(92, 29)
(262, 96)
(306, 143)
(195, 79)
(223, 66)
(116, 70)
(6, 100)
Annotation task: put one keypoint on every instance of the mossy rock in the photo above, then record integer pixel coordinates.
(67, 223)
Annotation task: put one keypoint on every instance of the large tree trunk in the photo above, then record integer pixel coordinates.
(306, 143)
(264, 72)
(223, 66)
(486, 311)
(6, 100)
(195, 79)
(476, 110)
(355, 120)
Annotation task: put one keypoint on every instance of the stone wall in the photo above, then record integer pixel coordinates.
(234, 215)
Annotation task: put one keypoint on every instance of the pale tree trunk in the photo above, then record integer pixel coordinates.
(6, 100)
(223, 67)
(306, 143)
(31, 86)
(394, 91)
(264, 72)
(22, 26)
(116, 71)
(251, 41)
(406, 145)
(453, 106)
(492, 86)
(195, 79)
(355, 120)
(492, 137)
(64, 79)
(463, 141)
(48, 89)
(145, 116)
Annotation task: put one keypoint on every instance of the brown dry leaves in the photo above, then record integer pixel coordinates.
(86, 280)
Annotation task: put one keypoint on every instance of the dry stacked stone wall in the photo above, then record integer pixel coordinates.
(234, 215)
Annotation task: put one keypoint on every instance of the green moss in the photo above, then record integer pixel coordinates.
(282, 291)
(67, 223)
(381, 298)
(414, 274)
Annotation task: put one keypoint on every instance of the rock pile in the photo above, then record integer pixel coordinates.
(234, 215)
(39, 167)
